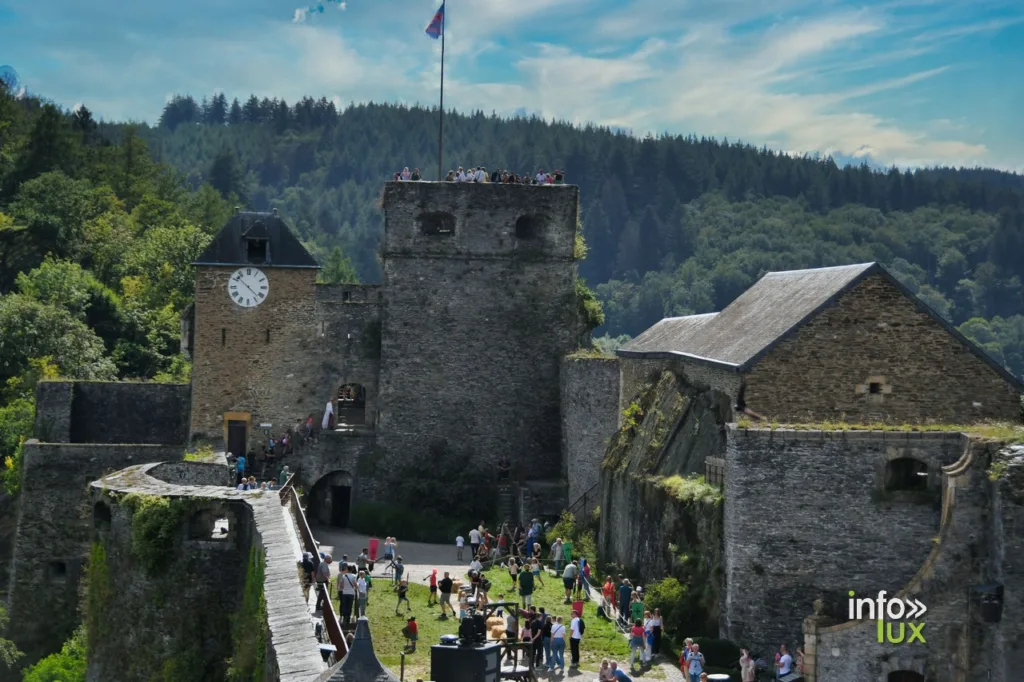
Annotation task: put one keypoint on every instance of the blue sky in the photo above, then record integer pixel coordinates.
(910, 82)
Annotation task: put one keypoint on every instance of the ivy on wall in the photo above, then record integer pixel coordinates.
(155, 524)
(98, 592)
(249, 631)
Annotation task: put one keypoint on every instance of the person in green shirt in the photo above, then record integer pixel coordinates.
(636, 608)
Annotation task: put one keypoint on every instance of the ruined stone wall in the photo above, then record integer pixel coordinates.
(179, 613)
(875, 335)
(642, 511)
(479, 308)
(254, 361)
(590, 415)
(54, 532)
(635, 372)
(195, 473)
(806, 517)
(974, 547)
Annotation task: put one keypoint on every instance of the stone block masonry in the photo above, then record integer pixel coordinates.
(54, 534)
(479, 308)
(590, 415)
(253, 360)
(807, 517)
(875, 356)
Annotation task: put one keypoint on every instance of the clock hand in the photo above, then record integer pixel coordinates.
(247, 287)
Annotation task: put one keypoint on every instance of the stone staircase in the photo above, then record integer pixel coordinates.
(507, 503)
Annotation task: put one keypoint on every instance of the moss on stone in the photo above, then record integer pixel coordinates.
(249, 630)
(98, 592)
(156, 521)
(1000, 431)
(688, 488)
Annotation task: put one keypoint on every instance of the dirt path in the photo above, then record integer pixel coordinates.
(419, 557)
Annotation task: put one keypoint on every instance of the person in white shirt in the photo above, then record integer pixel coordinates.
(481, 175)
(785, 663)
(461, 175)
(575, 635)
(475, 565)
(460, 542)
(361, 595)
(540, 177)
(474, 541)
(405, 173)
(347, 589)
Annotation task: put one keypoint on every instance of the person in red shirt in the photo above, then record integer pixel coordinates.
(411, 632)
(432, 599)
(608, 591)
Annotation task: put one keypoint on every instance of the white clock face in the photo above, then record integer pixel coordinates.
(248, 287)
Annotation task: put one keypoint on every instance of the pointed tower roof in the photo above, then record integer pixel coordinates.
(361, 664)
(278, 245)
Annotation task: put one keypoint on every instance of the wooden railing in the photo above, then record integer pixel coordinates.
(288, 486)
(334, 633)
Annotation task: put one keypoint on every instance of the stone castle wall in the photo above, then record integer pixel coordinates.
(182, 625)
(590, 415)
(253, 360)
(636, 372)
(54, 535)
(875, 335)
(806, 518)
(479, 307)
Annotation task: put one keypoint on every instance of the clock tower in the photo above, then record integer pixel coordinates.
(253, 316)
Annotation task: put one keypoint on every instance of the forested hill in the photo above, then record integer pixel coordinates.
(675, 225)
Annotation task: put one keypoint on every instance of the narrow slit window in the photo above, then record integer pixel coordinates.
(875, 388)
(223, 336)
(268, 334)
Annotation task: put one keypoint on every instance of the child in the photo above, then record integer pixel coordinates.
(537, 571)
(513, 570)
(403, 595)
(411, 632)
(463, 606)
(432, 599)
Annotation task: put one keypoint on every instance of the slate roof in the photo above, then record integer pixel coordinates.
(361, 664)
(773, 308)
(230, 247)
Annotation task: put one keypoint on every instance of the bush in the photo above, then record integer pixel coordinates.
(379, 519)
(66, 666)
(583, 542)
(669, 595)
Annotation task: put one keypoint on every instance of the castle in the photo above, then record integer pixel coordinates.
(469, 344)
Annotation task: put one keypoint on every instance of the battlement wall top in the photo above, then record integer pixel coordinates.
(445, 219)
(738, 433)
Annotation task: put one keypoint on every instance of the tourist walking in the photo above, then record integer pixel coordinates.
(432, 597)
(403, 596)
(347, 589)
(636, 643)
(656, 629)
(445, 587)
(569, 580)
(361, 594)
(576, 629)
(695, 663)
(748, 669)
(460, 542)
(323, 580)
(557, 659)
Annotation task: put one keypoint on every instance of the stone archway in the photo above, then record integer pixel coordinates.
(331, 499)
(354, 401)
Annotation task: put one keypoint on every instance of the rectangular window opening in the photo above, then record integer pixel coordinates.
(58, 569)
(221, 529)
(268, 334)
(346, 296)
(223, 336)
(875, 388)
(257, 250)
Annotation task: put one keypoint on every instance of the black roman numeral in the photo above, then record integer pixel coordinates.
(261, 294)
(248, 271)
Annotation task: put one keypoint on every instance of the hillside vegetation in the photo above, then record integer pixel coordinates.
(99, 221)
(675, 225)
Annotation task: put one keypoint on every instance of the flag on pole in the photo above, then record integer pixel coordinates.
(436, 26)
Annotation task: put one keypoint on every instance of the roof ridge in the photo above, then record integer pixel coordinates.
(851, 266)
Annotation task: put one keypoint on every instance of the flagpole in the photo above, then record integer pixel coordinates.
(440, 127)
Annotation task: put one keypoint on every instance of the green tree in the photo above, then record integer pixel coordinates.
(338, 269)
(226, 176)
(69, 665)
(9, 653)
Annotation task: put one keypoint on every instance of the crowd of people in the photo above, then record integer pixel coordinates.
(481, 174)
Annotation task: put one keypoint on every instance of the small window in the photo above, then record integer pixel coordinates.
(268, 334)
(256, 250)
(221, 529)
(437, 224)
(346, 296)
(101, 516)
(875, 388)
(527, 227)
(906, 473)
(223, 336)
(58, 570)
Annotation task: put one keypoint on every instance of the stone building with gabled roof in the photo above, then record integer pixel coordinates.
(847, 343)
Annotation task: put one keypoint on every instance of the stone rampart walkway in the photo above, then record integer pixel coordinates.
(291, 630)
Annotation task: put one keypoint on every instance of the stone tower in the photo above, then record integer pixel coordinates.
(479, 306)
(253, 320)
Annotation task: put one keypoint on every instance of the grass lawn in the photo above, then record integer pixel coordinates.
(601, 640)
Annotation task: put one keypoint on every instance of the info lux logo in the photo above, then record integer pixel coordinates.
(899, 612)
